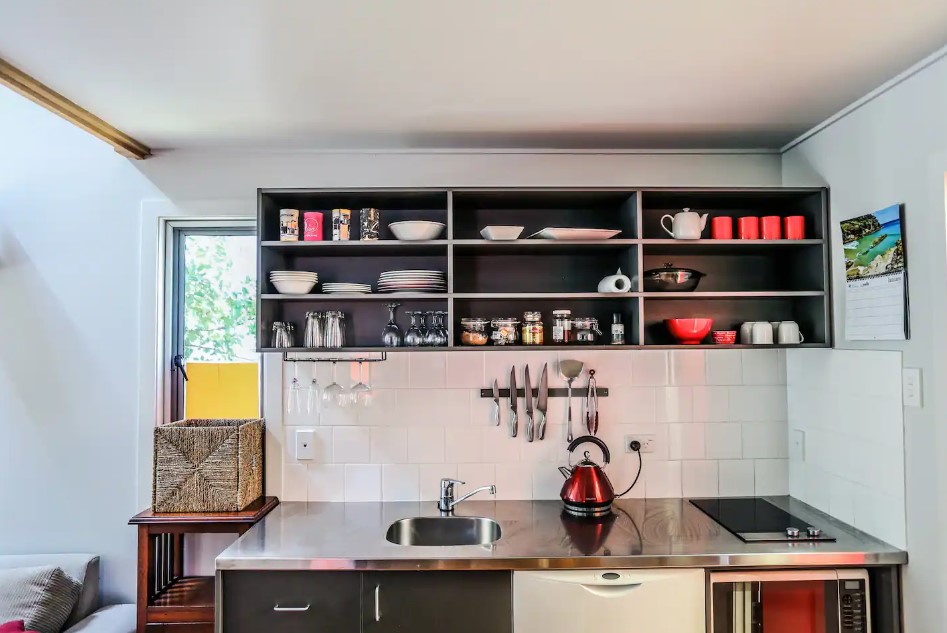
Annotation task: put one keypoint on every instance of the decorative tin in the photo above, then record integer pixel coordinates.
(341, 225)
(289, 225)
(368, 225)
(312, 226)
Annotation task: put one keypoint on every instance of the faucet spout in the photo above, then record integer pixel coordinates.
(446, 503)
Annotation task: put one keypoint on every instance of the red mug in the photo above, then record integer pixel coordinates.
(771, 227)
(721, 228)
(795, 227)
(748, 228)
(312, 226)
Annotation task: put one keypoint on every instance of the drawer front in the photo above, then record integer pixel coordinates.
(290, 602)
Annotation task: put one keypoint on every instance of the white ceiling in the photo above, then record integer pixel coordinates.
(475, 73)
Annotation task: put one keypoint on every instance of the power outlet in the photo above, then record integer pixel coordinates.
(648, 443)
(305, 445)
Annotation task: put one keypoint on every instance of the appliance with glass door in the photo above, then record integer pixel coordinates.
(815, 601)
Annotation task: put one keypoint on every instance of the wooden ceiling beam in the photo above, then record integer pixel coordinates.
(39, 93)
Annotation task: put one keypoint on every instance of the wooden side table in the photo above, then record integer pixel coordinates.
(167, 599)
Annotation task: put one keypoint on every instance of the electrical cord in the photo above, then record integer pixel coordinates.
(636, 447)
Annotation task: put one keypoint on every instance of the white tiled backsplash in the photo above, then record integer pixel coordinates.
(718, 416)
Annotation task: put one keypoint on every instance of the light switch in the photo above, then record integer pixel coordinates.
(305, 447)
(797, 445)
(911, 387)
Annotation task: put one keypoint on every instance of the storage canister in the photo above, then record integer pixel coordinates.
(505, 331)
(562, 326)
(532, 328)
(289, 225)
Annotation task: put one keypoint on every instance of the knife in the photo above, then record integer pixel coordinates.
(541, 403)
(513, 400)
(529, 405)
(496, 402)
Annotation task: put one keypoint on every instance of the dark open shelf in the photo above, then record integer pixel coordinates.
(746, 280)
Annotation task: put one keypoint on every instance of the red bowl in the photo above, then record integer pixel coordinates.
(724, 337)
(689, 331)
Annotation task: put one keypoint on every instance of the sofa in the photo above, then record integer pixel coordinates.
(86, 615)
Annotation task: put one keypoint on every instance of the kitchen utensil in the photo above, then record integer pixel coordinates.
(289, 225)
(416, 230)
(762, 333)
(748, 228)
(794, 227)
(721, 227)
(312, 399)
(335, 328)
(496, 402)
(591, 405)
(789, 334)
(528, 386)
(671, 279)
(587, 490)
(413, 337)
(513, 401)
(312, 226)
(570, 369)
(368, 220)
(541, 402)
(771, 227)
(314, 336)
(560, 233)
(724, 337)
(689, 331)
(615, 283)
(685, 225)
(391, 335)
(501, 233)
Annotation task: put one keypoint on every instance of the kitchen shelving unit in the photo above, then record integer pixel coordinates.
(747, 280)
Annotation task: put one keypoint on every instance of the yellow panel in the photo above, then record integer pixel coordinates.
(222, 390)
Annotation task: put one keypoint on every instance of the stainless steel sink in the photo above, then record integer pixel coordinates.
(444, 531)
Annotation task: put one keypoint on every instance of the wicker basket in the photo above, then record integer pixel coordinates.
(208, 465)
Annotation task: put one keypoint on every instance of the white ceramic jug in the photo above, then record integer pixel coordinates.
(685, 225)
(615, 283)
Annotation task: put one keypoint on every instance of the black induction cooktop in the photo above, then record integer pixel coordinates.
(755, 520)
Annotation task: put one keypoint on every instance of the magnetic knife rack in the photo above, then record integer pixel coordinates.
(552, 392)
(334, 359)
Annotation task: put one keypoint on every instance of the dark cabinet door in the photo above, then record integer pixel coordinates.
(437, 601)
(290, 602)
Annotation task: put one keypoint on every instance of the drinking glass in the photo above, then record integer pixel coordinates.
(294, 392)
(312, 401)
(442, 335)
(391, 335)
(330, 395)
(361, 392)
(413, 337)
(430, 329)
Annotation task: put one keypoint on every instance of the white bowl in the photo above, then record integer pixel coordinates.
(287, 287)
(501, 233)
(416, 230)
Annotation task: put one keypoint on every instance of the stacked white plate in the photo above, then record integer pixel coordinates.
(293, 282)
(346, 288)
(412, 281)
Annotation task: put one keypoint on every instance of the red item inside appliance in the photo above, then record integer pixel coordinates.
(794, 607)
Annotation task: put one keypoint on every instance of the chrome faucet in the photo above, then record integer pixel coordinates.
(447, 502)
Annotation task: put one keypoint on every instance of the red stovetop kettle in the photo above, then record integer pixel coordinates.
(587, 491)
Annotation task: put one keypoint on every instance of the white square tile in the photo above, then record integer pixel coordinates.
(392, 373)
(761, 367)
(841, 499)
(383, 410)
(475, 476)
(514, 481)
(547, 482)
(465, 370)
(613, 368)
(351, 445)
(663, 479)
(499, 447)
(699, 478)
(650, 367)
(425, 445)
(737, 478)
(362, 482)
(686, 441)
(772, 476)
(687, 367)
(723, 440)
(428, 370)
(758, 404)
(326, 482)
(400, 482)
(430, 479)
(636, 405)
(337, 416)
(765, 440)
(551, 450)
(711, 404)
(389, 445)
(674, 404)
(295, 482)
(463, 445)
(724, 367)
(781, 367)
(454, 406)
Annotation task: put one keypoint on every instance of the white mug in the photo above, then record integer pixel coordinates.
(775, 325)
(746, 332)
(762, 333)
(789, 333)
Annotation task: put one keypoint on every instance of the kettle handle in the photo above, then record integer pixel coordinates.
(593, 440)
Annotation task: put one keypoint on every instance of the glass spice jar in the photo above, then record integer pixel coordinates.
(532, 328)
(587, 332)
(562, 327)
(505, 331)
(475, 331)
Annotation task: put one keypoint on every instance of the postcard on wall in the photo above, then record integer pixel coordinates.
(876, 299)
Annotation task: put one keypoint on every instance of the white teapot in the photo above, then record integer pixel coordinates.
(685, 225)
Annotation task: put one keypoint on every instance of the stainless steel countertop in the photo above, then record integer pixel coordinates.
(535, 535)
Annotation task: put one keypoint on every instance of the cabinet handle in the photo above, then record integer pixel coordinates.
(377, 603)
(280, 609)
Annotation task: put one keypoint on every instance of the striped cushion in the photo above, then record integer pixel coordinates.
(42, 597)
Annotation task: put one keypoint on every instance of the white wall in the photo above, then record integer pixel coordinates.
(894, 149)
(68, 342)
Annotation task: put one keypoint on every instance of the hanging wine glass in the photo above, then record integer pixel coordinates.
(294, 392)
(330, 395)
(361, 392)
(312, 401)
(391, 335)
